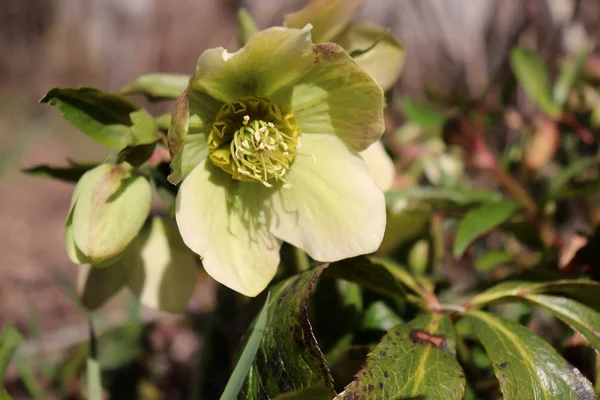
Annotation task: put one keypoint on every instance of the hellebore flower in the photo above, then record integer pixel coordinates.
(109, 207)
(266, 141)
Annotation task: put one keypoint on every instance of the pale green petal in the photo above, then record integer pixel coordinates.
(111, 207)
(222, 220)
(163, 271)
(75, 255)
(334, 209)
(97, 285)
(375, 50)
(337, 97)
(191, 121)
(380, 165)
(271, 60)
(328, 17)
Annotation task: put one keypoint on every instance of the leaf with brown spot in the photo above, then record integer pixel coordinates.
(526, 366)
(415, 359)
(289, 358)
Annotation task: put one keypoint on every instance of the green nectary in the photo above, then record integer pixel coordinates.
(255, 140)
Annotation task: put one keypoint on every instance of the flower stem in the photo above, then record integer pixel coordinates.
(302, 263)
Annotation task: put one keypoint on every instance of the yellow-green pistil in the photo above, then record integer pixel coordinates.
(255, 140)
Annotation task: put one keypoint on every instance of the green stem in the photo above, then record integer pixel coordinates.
(302, 263)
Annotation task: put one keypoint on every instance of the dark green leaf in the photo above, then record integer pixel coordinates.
(100, 115)
(493, 259)
(480, 221)
(240, 372)
(532, 75)
(246, 26)
(289, 358)
(426, 116)
(158, 86)
(526, 366)
(581, 318)
(9, 343)
(67, 174)
(416, 359)
(568, 76)
(585, 292)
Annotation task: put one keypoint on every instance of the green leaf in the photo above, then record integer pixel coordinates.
(576, 168)
(100, 115)
(142, 139)
(380, 316)
(163, 121)
(526, 366)
(457, 196)
(416, 359)
(493, 259)
(585, 292)
(67, 174)
(532, 75)
(158, 86)
(376, 273)
(246, 26)
(581, 318)
(9, 343)
(480, 221)
(568, 76)
(424, 115)
(240, 372)
(289, 358)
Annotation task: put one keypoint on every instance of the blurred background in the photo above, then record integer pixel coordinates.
(454, 48)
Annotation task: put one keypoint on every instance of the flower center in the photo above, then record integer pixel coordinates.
(255, 140)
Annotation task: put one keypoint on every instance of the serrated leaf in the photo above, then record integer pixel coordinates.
(585, 292)
(67, 174)
(480, 221)
(532, 75)
(240, 372)
(424, 115)
(568, 76)
(158, 86)
(289, 358)
(416, 359)
(526, 366)
(100, 115)
(582, 319)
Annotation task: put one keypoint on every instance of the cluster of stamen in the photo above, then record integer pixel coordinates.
(255, 140)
